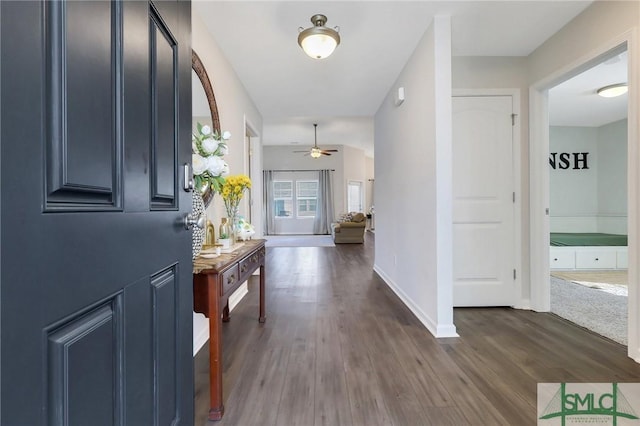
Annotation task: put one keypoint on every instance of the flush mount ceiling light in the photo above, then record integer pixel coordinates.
(319, 41)
(613, 90)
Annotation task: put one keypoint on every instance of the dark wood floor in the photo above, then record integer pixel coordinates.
(339, 348)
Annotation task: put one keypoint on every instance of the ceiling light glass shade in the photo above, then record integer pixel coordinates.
(613, 90)
(318, 41)
(315, 152)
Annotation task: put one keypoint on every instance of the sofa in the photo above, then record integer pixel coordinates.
(350, 230)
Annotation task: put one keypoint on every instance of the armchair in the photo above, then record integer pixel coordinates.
(350, 231)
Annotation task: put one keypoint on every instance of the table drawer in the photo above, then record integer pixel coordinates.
(230, 279)
(250, 264)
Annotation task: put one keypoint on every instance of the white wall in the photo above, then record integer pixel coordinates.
(593, 200)
(413, 183)
(596, 26)
(612, 178)
(573, 193)
(235, 109)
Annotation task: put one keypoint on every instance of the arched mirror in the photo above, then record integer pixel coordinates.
(204, 108)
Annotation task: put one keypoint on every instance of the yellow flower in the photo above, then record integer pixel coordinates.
(232, 191)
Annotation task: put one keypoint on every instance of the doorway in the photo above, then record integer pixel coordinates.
(588, 199)
(539, 181)
(355, 198)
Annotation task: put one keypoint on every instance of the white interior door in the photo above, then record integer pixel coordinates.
(354, 196)
(483, 201)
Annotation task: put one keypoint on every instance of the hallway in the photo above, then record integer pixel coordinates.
(339, 348)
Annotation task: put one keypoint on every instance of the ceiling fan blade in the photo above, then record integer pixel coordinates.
(325, 153)
(329, 150)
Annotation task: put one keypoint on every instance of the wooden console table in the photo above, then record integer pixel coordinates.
(213, 281)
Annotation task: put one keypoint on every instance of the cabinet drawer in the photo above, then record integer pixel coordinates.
(594, 259)
(562, 259)
(230, 279)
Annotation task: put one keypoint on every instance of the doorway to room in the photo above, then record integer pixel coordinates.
(588, 199)
(539, 179)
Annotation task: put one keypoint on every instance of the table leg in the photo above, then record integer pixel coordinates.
(262, 317)
(215, 349)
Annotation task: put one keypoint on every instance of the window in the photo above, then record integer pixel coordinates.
(283, 198)
(306, 197)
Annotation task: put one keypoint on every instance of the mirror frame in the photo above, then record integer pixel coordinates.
(201, 72)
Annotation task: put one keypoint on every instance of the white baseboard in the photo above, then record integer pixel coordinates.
(438, 330)
(524, 304)
(237, 295)
(200, 332)
(201, 323)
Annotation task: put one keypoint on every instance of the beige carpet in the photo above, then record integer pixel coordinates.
(614, 282)
(609, 277)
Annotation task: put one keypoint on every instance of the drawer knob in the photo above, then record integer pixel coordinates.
(597, 259)
(555, 259)
(231, 279)
(244, 268)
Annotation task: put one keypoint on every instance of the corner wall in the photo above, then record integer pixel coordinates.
(413, 176)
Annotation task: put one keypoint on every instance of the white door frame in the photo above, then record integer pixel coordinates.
(539, 178)
(252, 159)
(519, 302)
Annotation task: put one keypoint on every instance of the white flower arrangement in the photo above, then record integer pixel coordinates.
(208, 148)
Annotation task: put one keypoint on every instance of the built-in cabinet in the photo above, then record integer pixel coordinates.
(588, 258)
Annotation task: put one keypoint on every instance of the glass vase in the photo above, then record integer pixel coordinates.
(233, 225)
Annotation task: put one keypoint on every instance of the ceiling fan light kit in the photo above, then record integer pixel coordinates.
(315, 151)
(613, 90)
(318, 41)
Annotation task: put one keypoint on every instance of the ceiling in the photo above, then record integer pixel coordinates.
(575, 102)
(343, 92)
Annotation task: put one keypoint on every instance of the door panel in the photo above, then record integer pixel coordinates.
(95, 278)
(84, 367)
(164, 82)
(72, 47)
(483, 208)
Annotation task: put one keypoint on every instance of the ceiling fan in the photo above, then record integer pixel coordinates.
(316, 152)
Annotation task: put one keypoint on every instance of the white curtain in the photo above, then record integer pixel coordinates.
(267, 196)
(324, 208)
